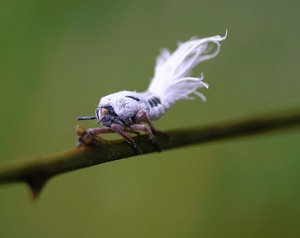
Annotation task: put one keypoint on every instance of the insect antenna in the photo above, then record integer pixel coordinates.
(86, 118)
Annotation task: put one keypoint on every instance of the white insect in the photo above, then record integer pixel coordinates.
(125, 110)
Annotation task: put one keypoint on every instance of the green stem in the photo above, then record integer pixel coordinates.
(37, 172)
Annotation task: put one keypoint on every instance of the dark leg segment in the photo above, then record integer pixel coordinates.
(140, 127)
(114, 128)
(102, 130)
(120, 129)
(143, 116)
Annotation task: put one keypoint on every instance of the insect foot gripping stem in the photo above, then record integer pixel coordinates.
(140, 127)
(91, 136)
(120, 130)
(85, 138)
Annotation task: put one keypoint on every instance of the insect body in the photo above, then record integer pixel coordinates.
(124, 111)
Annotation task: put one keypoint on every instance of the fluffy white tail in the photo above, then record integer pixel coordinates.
(171, 81)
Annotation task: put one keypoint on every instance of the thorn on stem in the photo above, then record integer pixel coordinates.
(36, 185)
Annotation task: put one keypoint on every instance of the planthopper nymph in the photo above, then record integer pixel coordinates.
(124, 111)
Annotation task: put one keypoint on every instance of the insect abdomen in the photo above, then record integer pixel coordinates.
(156, 108)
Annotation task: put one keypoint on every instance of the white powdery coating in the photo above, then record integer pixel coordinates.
(171, 81)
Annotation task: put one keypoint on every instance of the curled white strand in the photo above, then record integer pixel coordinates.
(171, 81)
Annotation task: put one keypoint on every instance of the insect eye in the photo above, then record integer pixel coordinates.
(104, 111)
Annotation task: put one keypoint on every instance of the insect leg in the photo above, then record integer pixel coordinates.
(140, 127)
(132, 132)
(84, 138)
(102, 130)
(120, 129)
(143, 116)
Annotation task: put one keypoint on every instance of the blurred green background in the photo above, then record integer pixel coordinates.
(57, 58)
